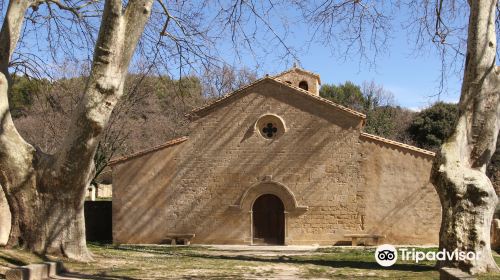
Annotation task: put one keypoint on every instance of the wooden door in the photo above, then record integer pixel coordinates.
(268, 220)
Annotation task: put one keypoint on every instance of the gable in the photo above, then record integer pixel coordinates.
(286, 93)
(299, 71)
(144, 152)
(271, 96)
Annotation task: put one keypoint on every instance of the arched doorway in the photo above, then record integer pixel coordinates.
(268, 220)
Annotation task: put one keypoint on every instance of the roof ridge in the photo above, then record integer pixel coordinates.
(396, 143)
(349, 110)
(148, 150)
(274, 79)
(224, 97)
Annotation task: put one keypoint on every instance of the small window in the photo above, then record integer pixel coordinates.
(303, 85)
(270, 130)
(270, 126)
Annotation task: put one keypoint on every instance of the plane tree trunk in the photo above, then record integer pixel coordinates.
(46, 192)
(467, 196)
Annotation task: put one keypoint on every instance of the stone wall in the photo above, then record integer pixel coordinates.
(330, 179)
(104, 191)
(191, 187)
(400, 201)
(141, 195)
(295, 76)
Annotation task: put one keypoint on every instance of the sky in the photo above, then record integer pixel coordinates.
(414, 79)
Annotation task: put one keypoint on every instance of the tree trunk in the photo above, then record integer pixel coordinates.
(46, 193)
(47, 217)
(48, 221)
(467, 196)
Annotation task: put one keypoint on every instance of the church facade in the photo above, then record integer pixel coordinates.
(274, 163)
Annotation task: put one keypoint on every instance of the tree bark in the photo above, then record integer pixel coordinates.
(15, 154)
(467, 196)
(45, 192)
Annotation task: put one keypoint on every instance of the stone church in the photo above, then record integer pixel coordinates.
(274, 163)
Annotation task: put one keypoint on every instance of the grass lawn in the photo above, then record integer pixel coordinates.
(195, 262)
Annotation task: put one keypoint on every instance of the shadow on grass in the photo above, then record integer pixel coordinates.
(101, 243)
(69, 275)
(191, 252)
(360, 264)
(160, 250)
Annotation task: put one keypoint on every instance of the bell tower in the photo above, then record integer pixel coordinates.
(301, 78)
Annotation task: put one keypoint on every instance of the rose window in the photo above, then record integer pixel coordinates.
(270, 126)
(270, 130)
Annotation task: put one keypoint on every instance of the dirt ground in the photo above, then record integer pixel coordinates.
(230, 262)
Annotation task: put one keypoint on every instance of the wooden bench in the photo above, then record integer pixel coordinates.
(355, 236)
(175, 238)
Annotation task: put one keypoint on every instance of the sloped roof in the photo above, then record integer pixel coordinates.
(201, 111)
(149, 150)
(397, 144)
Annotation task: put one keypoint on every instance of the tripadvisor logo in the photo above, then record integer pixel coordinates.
(387, 255)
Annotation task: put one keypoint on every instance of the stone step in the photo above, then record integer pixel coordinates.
(450, 273)
(40, 271)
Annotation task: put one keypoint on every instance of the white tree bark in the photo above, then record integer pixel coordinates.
(467, 196)
(46, 192)
(15, 154)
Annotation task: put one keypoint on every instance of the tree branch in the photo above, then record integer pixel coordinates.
(118, 36)
(136, 15)
(12, 146)
(480, 96)
(11, 32)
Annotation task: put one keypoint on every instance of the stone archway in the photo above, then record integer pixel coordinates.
(268, 187)
(247, 199)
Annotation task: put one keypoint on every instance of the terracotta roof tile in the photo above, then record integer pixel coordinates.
(395, 143)
(149, 150)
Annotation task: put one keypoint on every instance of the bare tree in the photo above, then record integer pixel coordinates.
(45, 121)
(218, 81)
(376, 96)
(45, 192)
(467, 196)
(350, 27)
(152, 110)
